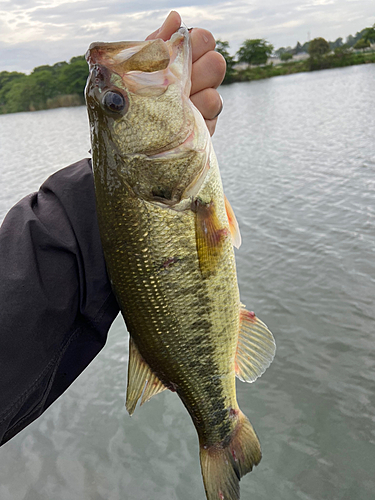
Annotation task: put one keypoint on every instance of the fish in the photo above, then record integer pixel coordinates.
(168, 232)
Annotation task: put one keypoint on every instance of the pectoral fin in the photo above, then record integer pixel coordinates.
(233, 224)
(256, 347)
(210, 236)
(140, 378)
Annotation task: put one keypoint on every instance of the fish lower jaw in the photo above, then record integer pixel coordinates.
(175, 153)
(183, 150)
(192, 144)
(180, 206)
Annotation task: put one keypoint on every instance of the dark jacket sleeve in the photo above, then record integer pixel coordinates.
(56, 303)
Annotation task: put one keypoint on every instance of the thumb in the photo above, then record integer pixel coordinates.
(170, 26)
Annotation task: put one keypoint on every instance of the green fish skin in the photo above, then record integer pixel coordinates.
(168, 233)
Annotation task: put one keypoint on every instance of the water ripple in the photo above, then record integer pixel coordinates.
(297, 156)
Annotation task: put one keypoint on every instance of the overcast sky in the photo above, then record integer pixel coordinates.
(37, 32)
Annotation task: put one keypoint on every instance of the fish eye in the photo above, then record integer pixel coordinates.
(114, 101)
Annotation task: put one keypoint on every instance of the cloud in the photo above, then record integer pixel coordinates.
(37, 32)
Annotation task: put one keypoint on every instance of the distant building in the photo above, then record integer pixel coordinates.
(301, 56)
(240, 66)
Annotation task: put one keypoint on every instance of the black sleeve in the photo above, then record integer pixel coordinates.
(56, 303)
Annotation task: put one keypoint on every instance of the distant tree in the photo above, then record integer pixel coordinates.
(19, 95)
(305, 47)
(20, 92)
(337, 43)
(362, 44)
(45, 67)
(369, 35)
(286, 56)
(318, 47)
(342, 51)
(298, 48)
(255, 51)
(289, 50)
(72, 77)
(7, 80)
(7, 77)
(352, 40)
(40, 86)
(57, 66)
(280, 51)
(77, 59)
(222, 47)
(360, 34)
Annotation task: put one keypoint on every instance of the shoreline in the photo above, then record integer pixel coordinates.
(232, 75)
(292, 67)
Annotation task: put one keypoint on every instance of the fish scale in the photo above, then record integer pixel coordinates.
(168, 233)
(179, 311)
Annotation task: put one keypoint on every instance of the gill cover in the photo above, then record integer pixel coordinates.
(142, 121)
(136, 69)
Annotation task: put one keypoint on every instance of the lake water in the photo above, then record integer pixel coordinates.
(297, 156)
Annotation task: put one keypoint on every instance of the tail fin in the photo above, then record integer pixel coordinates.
(223, 467)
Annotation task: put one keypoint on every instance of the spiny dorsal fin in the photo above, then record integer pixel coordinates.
(210, 236)
(140, 374)
(256, 347)
(233, 224)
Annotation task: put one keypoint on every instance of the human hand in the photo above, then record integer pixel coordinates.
(208, 69)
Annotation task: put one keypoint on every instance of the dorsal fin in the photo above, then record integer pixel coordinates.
(140, 374)
(256, 347)
(233, 224)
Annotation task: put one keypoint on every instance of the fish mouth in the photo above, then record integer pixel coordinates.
(144, 68)
(123, 57)
(137, 71)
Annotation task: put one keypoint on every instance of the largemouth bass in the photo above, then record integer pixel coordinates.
(168, 233)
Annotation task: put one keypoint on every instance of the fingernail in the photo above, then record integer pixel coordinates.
(221, 109)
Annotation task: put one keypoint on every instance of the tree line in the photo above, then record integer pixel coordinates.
(63, 83)
(46, 87)
(256, 52)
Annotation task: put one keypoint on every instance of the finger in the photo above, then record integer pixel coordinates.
(208, 102)
(207, 71)
(202, 41)
(211, 125)
(170, 26)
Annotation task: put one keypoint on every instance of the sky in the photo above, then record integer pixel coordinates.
(38, 32)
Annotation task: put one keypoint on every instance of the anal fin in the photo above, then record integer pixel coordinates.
(153, 387)
(141, 379)
(256, 347)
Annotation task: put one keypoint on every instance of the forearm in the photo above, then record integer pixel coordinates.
(56, 300)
